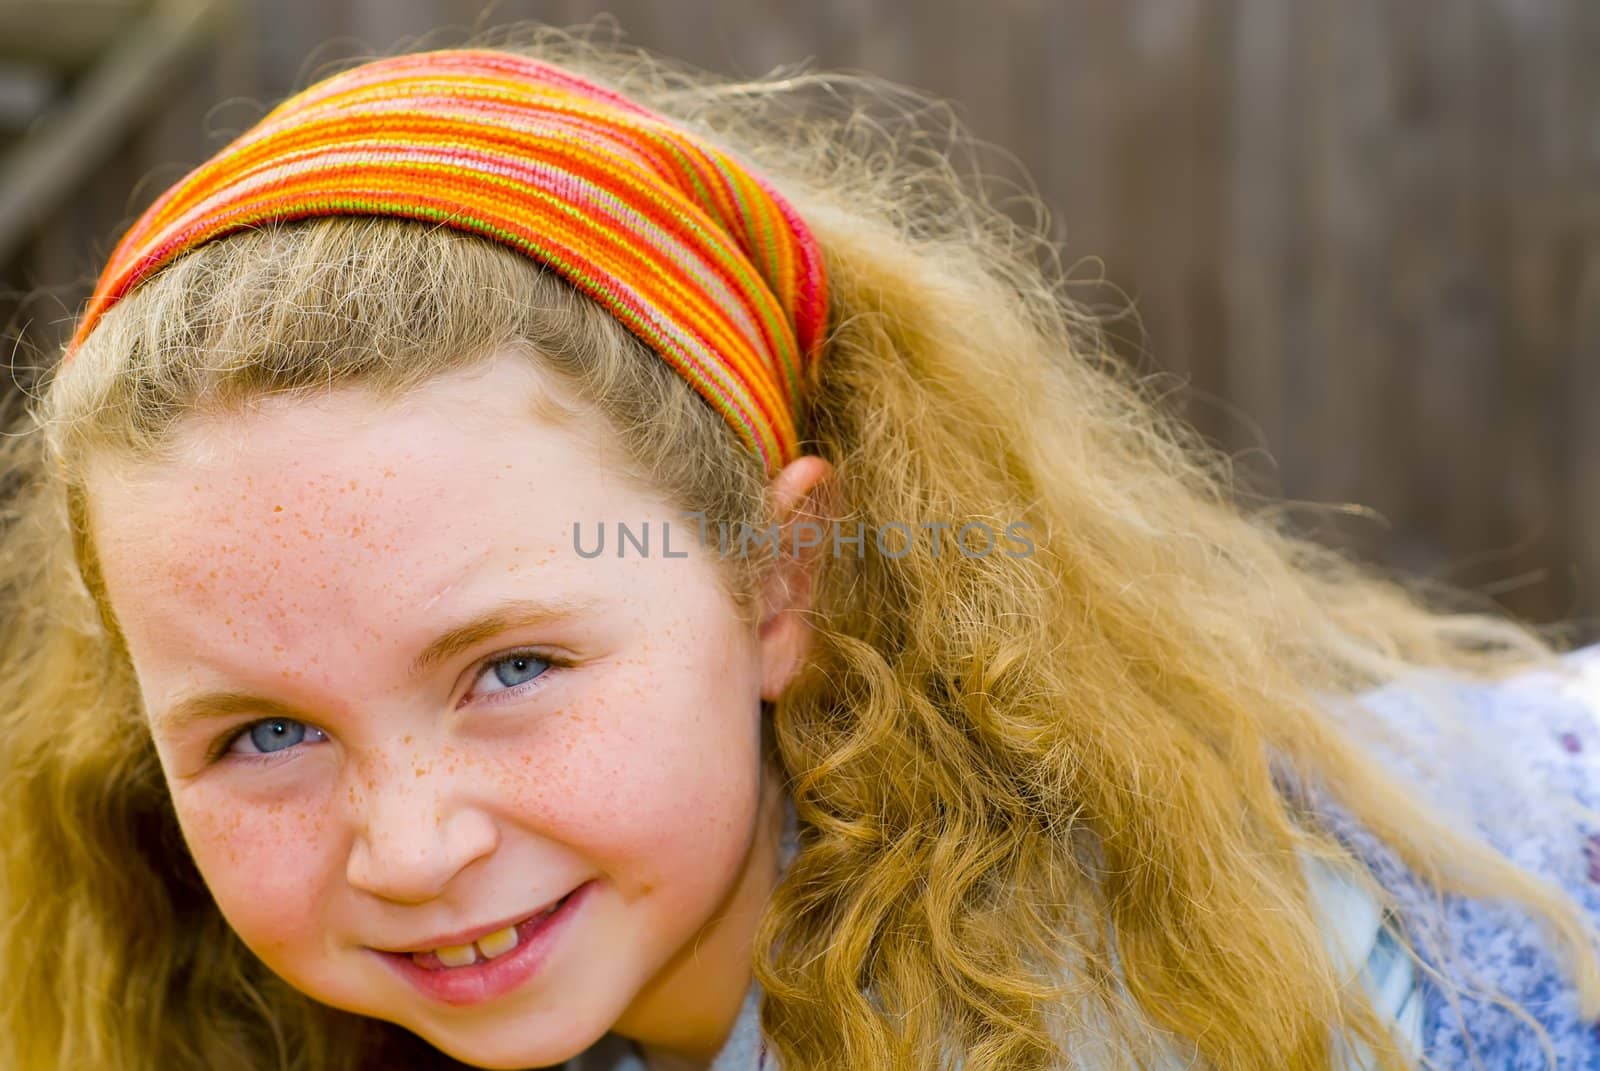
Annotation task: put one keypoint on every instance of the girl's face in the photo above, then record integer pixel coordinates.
(429, 715)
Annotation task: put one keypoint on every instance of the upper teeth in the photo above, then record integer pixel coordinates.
(491, 945)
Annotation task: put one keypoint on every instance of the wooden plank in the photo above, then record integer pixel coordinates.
(67, 34)
(1259, 284)
(383, 27)
(26, 90)
(71, 142)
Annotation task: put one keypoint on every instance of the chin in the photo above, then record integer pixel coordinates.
(511, 1054)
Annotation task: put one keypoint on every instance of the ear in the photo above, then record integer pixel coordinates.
(785, 628)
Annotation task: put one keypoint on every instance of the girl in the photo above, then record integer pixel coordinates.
(537, 557)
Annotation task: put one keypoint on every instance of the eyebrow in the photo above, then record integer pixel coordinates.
(501, 617)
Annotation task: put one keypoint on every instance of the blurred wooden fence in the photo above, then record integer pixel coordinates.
(1365, 233)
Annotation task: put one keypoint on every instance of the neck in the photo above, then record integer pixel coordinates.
(660, 1060)
(684, 1017)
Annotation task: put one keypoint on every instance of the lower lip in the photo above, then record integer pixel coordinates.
(486, 981)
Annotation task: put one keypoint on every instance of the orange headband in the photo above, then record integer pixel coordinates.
(698, 256)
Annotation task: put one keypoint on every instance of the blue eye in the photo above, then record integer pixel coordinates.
(274, 735)
(520, 672)
(268, 736)
(522, 662)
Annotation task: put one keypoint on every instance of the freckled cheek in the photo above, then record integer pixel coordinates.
(633, 786)
(267, 864)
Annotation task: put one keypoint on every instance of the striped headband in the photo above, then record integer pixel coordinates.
(698, 256)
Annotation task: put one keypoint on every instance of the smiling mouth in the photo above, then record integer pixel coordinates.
(471, 974)
(489, 947)
(489, 943)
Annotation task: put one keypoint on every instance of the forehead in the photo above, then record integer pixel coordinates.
(346, 454)
(338, 511)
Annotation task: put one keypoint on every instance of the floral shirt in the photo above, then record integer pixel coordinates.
(1522, 760)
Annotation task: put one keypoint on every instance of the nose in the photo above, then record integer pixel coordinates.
(413, 836)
